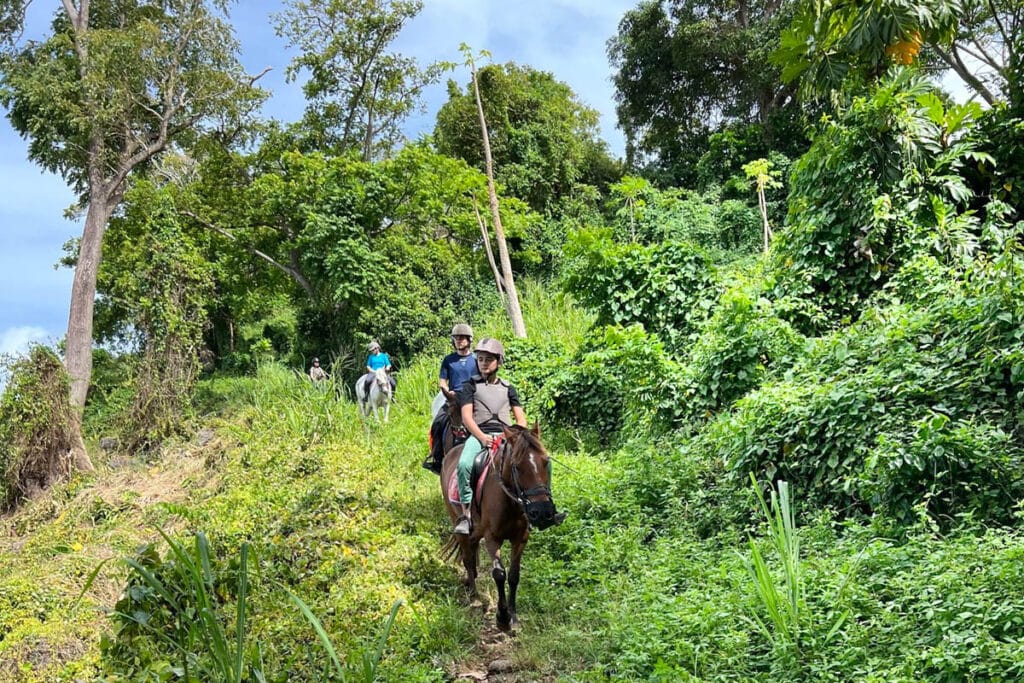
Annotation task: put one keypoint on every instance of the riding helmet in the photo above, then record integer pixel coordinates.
(491, 346)
(462, 330)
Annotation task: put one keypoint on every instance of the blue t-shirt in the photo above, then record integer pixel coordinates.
(378, 361)
(458, 369)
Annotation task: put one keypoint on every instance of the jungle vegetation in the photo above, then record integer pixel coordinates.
(800, 461)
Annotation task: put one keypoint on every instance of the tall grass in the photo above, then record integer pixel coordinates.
(782, 600)
(211, 650)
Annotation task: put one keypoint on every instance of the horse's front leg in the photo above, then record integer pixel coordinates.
(387, 410)
(498, 572)
(513, 578)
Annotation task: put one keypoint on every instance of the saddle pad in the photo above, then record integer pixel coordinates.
(453, 484)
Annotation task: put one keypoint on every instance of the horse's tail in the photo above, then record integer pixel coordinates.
(451, 549)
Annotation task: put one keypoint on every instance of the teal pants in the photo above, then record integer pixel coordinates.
(465, 466)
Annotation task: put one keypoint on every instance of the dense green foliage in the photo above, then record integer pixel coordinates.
(798, 465)
(33, 425)
(543, 138)
(686, 69)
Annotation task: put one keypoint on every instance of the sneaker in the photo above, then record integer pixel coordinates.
(432, 465)
(462, 526)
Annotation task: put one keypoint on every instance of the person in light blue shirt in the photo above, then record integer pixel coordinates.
(377, 360)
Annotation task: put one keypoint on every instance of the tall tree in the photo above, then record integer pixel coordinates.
(358, 93)
(842, 43)
(544, 140)
(687, 68)
(109, 89)
(515, 312)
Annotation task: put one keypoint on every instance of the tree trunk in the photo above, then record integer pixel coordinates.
(490, 257)
(78, 354)
(515, 313)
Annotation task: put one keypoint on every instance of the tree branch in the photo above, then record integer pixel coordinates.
(291, 271)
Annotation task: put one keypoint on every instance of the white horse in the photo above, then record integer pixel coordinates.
(379, 395)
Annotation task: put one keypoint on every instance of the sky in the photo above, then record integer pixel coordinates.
(565, 37)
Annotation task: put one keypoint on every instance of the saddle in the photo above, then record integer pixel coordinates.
(477, 475)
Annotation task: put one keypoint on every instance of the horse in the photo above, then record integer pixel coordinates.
(379, 395)
(450, 432)
(512, 498)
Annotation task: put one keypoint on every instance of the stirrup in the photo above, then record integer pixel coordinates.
(463, 526)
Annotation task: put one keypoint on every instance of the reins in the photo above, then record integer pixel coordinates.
(519, 496)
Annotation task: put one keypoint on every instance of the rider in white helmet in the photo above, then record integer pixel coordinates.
(488, 404)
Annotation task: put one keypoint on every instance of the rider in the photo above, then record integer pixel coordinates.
(488, 404)
(456, 368)
(317, 374)
(377, 360)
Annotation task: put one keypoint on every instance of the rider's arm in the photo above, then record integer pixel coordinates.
(443, 385)
(519, 415)
(467, 420)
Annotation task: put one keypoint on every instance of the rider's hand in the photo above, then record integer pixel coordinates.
(488, 441)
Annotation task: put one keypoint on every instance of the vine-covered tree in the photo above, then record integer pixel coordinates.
(688, 68)
(843, 43)
(113, 84)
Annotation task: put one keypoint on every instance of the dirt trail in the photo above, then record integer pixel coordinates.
(496, 657)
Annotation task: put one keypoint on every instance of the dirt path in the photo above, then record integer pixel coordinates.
(496, 658)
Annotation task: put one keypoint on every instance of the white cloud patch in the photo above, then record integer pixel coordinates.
(17, 339)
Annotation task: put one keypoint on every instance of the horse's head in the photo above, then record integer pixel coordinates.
(524, 473)
(381, 379)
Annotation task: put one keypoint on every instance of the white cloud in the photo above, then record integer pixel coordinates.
(17, 339)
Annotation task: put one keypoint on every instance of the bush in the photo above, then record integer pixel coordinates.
(35, 426)
(919, 403)
(739, 345)
(668, 288)
(618, 377)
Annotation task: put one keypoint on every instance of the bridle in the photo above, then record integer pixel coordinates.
(532, 509)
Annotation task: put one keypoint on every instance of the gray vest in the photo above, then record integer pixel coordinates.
(490, 404)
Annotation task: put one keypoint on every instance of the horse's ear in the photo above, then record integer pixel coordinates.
(506, 431)
(536, 429)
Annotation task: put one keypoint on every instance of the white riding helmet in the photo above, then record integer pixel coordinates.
(462, 330)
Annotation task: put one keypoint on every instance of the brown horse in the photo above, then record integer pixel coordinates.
(513, 498)
(450, 435)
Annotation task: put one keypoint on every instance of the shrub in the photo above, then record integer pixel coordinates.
(739, 345)
(668, 288)
(35, 426)
(910, 406)
(618, 377)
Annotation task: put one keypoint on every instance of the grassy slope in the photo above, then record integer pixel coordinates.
(648, 580)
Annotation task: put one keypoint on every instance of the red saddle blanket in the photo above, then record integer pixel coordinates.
(453, 480)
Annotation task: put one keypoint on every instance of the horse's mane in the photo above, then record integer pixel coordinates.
(524, 440)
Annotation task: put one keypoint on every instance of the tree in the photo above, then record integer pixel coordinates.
(114, 84)
(761, 172)
(544, 140)
(515, 313)
(358, 94)
(687, 68)
(843, 43)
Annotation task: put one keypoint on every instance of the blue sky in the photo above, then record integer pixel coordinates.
(565, 37)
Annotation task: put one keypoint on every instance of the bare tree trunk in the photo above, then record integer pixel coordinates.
(763, 206)
(490, 257)
(78, 354)
(515, 313)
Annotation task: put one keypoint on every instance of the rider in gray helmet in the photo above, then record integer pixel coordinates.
(489, 404)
